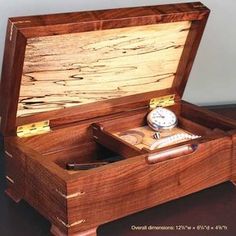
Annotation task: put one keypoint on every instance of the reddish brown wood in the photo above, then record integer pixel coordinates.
(132, 119)
(206, 117)
(108, 19)
(11, 73)
(106, 129)
(148, 185)
(87, 111)
(193, 126)
(112, 185)
(189, 53)
(229, 111)
(80, 132)
(13, 195)
(76, 203)
(171, 153)
(15, 172)
(42, 183)
(233, 178)
(113, 143)
(226, 110)
(57, 232)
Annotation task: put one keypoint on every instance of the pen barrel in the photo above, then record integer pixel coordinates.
(171, 153)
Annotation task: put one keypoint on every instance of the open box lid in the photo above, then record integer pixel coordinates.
(64, 68)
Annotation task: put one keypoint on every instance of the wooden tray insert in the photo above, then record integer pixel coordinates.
(143, 137)
(133, 131)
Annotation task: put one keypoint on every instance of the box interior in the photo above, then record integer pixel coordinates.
(79, 144)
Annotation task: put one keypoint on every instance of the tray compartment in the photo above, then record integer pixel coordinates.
(77, 147)
(86, 153)
(109, 133)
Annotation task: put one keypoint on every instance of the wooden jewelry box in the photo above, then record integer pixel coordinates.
(73, 84)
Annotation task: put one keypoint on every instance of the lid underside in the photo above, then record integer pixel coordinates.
(72, 69)
(65, 68)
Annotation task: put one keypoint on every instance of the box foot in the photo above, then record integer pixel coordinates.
(233, 182)
(57, 232)
(14, 196)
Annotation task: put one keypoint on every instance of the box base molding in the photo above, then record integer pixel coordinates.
(14, 196)
(57, 232)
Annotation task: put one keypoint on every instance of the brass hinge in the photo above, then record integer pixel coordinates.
(33, 129)
(164, 101)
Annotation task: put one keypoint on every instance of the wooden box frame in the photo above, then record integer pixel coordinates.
(76, 204)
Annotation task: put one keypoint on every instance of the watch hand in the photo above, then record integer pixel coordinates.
(160, 115)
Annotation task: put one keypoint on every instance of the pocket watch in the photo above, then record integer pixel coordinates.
(161, 118)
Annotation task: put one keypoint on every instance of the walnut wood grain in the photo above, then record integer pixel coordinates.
(148, 184)
(193, 127)
(56, 231)
(132, 119)
(115, 106)
(161, 43)
(15, 172)
(108, 133)
(113, 142)
(10, 83)
(44, 181)
(107, 171)
(206, 117)
(80, 132)
(233, 178)
(56, 24)
(189, 54)
(128, 181)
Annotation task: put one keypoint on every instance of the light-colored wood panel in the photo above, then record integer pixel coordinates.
(68, 70)
(142, 137)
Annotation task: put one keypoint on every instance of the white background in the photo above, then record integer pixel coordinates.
(213, 78)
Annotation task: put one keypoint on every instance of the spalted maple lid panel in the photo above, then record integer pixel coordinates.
(68, 70)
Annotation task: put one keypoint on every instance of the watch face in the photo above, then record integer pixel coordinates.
(161, 118)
